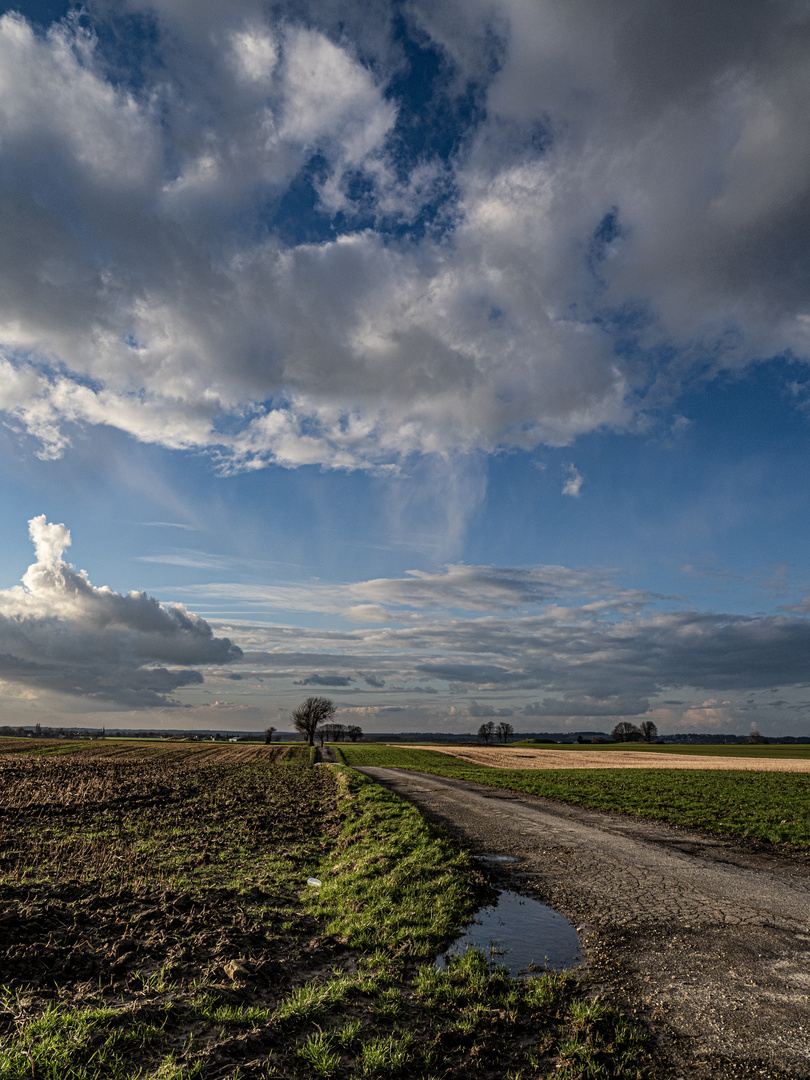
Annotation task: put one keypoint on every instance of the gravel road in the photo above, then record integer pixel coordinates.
(704, 940)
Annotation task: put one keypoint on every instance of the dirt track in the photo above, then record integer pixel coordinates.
(517, 758)
(706, 941)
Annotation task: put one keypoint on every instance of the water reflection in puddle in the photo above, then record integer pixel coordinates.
(519, 932)
(495, 858)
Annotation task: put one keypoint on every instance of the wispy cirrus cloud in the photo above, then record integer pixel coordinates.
(457, 587)
(169, 525)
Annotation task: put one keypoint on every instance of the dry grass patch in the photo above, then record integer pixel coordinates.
(500, 757)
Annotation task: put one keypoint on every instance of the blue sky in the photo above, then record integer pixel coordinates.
(452, 362)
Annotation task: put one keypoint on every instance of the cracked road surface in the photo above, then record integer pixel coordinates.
(704, 940)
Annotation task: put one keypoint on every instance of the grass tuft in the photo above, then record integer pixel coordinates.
(318, 1054)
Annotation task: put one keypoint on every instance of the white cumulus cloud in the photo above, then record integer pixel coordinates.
(60, 632)
(226, 254)
(573, 485)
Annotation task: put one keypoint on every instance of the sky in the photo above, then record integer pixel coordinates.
(451, 361)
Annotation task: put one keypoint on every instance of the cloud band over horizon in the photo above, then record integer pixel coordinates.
(542, 643)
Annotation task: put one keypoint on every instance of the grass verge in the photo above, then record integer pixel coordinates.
(392, 882)
(396, 889)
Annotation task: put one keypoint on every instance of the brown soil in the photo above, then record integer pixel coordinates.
(705, 941)
(117, 941)
(93, 911)
(517, 758)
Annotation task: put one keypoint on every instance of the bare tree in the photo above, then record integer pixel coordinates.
(268, 734)
(355, 732)
(648, 730)
(505, 731)
(626, 732)
(307, 717)
(332, 732)
(486, 731)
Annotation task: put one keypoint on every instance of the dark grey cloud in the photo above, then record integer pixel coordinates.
(469, 673)
(325, 680)
(487, 710)
(640, 655)
(587, 705)
(598, 659)
(122, 685)
(374, 681)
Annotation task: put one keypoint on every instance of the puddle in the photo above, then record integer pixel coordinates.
(520, 932)
(495, 858)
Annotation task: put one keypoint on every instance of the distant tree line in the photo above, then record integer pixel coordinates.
(38, 732)
(624, 731)
(646, 731)
(489, 732)
(339, 732)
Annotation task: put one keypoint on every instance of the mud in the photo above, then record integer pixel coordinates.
(705, 940)
(120, 940)
(145, 884)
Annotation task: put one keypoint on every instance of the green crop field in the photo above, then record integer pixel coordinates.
(772, 807)
(788, 751)
(159, 922)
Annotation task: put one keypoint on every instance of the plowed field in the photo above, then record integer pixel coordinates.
(131, 872)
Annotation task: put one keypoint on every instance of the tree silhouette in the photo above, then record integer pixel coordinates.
(486, 731)
(505, 731)
(626, 732)
(648, 730)
(332, 732)
(307, 717)
(268, 734)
